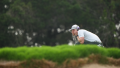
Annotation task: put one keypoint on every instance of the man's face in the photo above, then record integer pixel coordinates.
(74, 32)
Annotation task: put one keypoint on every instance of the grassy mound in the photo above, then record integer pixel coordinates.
(56, 54)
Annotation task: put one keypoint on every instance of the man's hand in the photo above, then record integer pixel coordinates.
(81, 39)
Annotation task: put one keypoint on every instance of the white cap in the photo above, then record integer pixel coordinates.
(74, 27)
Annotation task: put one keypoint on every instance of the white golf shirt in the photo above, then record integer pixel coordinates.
(88, 36)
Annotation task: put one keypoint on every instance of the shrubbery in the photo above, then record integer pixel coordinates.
(57, 54)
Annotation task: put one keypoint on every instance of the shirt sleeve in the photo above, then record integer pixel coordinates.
(80, 33)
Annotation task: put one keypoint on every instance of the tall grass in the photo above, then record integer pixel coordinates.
(57, 54)
(113, 52)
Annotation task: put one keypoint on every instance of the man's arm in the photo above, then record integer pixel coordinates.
(81, 39)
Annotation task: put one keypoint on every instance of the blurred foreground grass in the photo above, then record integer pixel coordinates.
(57, 54)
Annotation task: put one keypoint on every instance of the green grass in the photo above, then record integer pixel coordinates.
(57, 54)
(113, 52)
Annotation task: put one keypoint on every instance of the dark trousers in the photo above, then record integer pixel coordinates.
(87, 42)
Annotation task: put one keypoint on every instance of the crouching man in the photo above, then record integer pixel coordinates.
(84, 37)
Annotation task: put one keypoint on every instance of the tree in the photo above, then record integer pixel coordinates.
(5, 37)
(101, 21)
(45, 21)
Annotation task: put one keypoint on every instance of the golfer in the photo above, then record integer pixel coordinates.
(82, 36)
